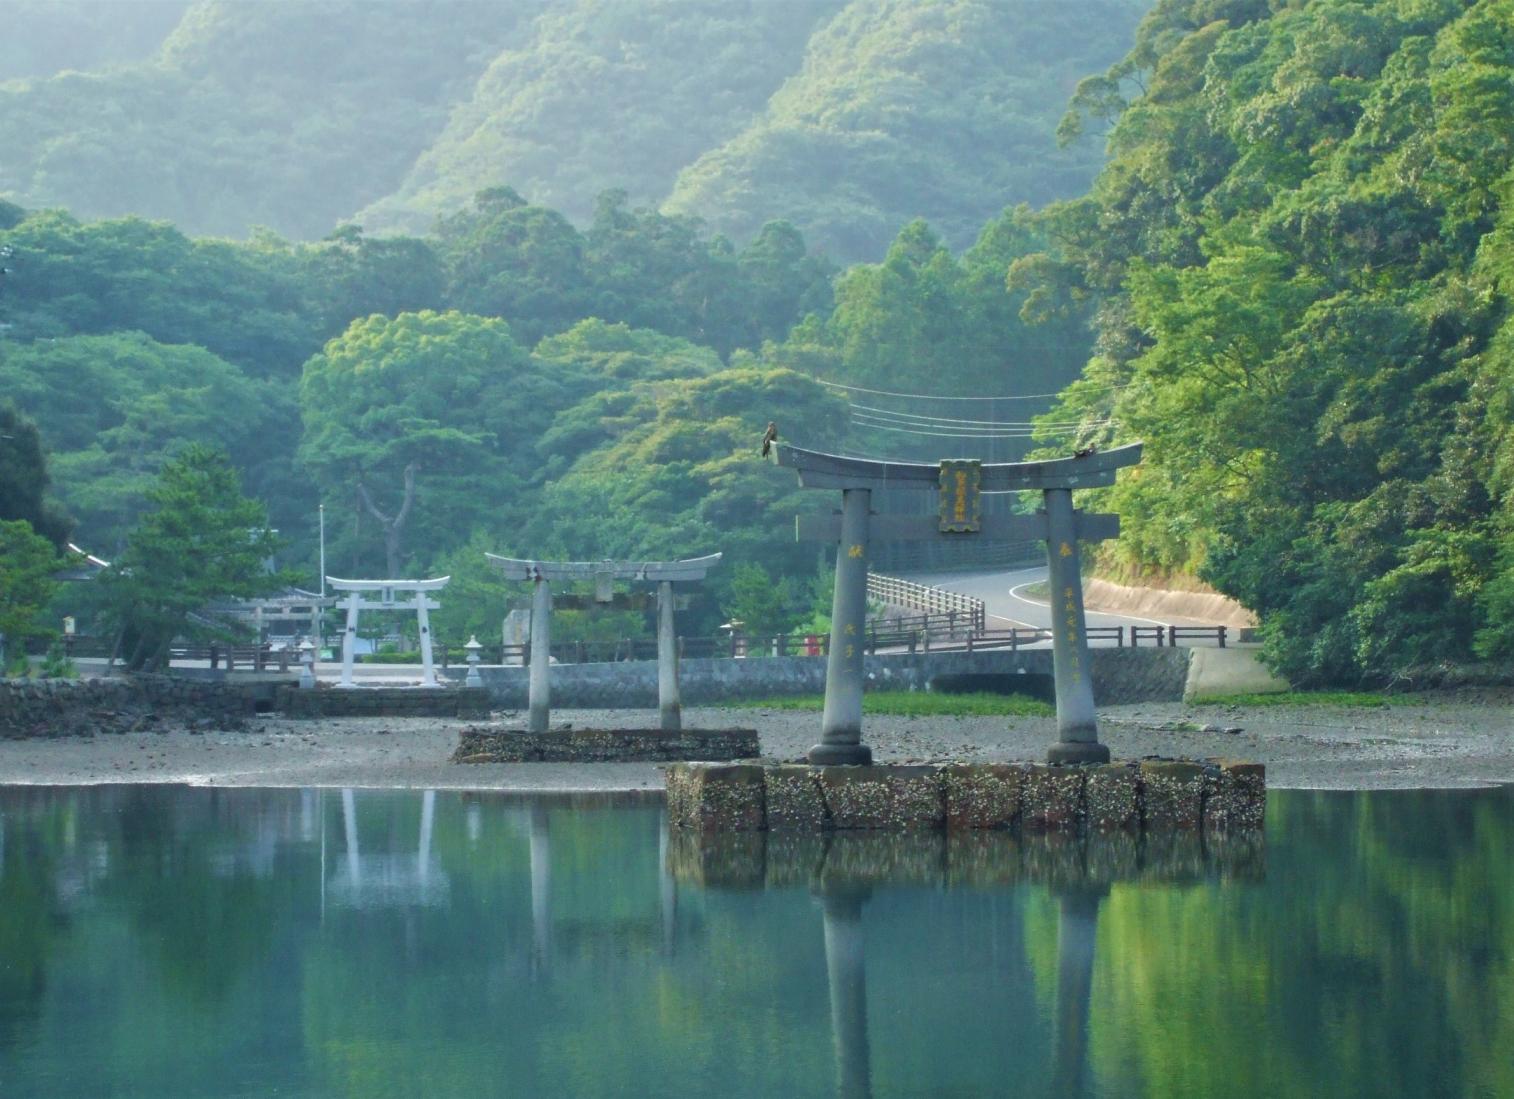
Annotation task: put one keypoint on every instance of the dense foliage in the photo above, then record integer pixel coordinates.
(1291, 280)
(287, 115)
(901, 110)
(607, 94)
(845, 117)
(1301, 251)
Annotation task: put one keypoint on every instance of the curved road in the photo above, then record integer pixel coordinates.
(1008, 604)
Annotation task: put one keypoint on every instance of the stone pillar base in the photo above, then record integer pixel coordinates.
(1078, 751)
(840, 755)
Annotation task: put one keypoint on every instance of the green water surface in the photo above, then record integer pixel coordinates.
(165, 942)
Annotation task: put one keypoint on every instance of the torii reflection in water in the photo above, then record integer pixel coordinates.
(389, 880)
(846, 977)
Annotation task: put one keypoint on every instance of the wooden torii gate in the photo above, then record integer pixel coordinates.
(959, 483)
(603, 573)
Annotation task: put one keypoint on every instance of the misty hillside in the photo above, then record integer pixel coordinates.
(846, 118)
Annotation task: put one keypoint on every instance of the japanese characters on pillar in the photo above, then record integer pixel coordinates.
(961, 496)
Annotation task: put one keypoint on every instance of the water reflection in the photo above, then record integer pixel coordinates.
(843, 870)
(391, 879)
(162, 942)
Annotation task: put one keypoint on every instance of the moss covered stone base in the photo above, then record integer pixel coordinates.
(1153, 796)
(502, 744)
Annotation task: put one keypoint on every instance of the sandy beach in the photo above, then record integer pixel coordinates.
(1440, 739)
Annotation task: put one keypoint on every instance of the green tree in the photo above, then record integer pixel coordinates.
(114, 408)
(202, 541)
(24, 478)
(27, 564)
(427, 419)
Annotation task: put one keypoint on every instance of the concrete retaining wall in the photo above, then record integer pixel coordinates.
(84, 707)
(1120, 676)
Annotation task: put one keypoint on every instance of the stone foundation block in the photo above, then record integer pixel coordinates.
(716, 797)
(981, 795)
(1111, 797)
(1051, 798)
(463, 702)
(894, 798)
(794, 801)
(1235, 796)
(503, 744)
(1172, 794)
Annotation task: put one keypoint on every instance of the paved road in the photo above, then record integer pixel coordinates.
(1008, 604)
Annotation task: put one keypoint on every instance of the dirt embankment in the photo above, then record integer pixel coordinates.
(1202, 606)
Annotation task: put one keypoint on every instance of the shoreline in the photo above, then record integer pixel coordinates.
(1442, 740)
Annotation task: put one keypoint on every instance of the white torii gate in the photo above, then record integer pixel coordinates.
(387, 589)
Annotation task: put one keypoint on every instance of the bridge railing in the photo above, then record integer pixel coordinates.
(882, 636)
(925, 597)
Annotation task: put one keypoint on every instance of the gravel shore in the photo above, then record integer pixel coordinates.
(1441, 739)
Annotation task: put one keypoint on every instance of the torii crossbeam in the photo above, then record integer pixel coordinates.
(959, 483)
(603, 573)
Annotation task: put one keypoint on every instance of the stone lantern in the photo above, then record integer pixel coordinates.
(472, 648)
(307, 663)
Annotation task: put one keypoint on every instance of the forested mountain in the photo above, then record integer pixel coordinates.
(1301, 249)
(847, 118)
(287, 115)
(943, 111)
(606, 94)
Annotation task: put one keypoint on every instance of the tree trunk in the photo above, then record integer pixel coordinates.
(393, 525)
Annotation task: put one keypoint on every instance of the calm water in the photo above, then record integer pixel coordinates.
(169, 942)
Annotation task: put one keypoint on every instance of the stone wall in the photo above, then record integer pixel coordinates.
(84, 707)
(464, 702)
(1120, 676)
(499, 744)
(1156, 796)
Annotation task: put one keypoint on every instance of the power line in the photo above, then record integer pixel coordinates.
(939, 397)
(915, 416)
(920, 430)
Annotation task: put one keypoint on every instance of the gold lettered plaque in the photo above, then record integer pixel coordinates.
(961, 496)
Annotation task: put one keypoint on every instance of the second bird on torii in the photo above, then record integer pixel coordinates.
(768, 437)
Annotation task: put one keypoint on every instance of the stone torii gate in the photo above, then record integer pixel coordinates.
(959, 483)
(419, 602)
(603, 573)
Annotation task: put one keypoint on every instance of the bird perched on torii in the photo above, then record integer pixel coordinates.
(768, 436)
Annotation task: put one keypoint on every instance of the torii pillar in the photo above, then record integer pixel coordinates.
(959, 483)
(603, 573)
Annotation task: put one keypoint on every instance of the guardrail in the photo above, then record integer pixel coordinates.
(924, 597)
(894, 635)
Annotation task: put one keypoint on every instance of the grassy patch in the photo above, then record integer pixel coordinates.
(1309, 698)
(915, 704)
